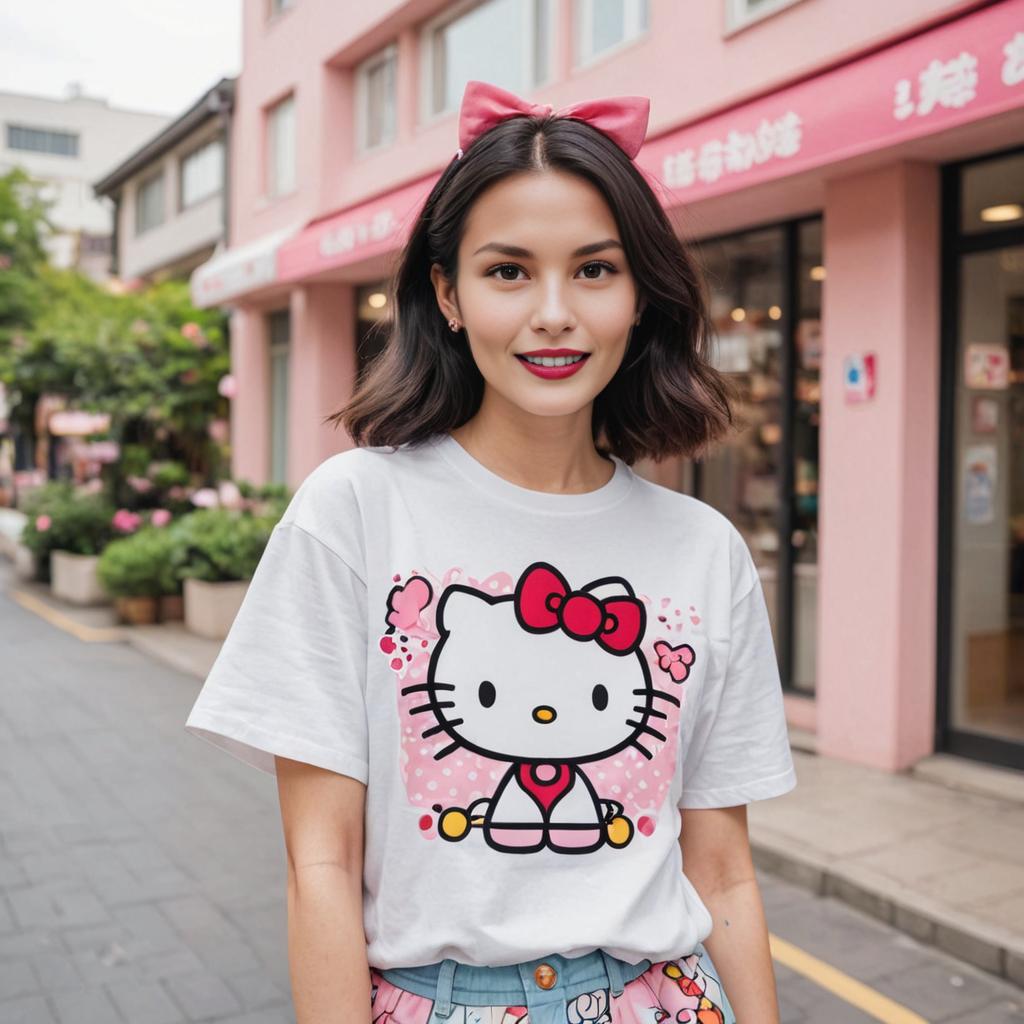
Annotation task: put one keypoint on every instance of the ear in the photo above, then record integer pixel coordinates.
(444, 290)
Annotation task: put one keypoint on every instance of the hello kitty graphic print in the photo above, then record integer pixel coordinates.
(533, 712)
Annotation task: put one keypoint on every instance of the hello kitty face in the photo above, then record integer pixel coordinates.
(547, 673)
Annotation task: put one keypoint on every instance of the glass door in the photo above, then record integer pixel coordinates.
(981, 583)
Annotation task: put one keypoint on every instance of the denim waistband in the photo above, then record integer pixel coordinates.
(450, 982)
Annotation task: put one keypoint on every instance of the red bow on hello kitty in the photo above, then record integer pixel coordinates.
(544, 602)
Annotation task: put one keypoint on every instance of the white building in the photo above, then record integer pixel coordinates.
(170, 194)
(68, 143)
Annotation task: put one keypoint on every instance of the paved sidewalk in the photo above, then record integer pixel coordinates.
(937, 852)
(942, 861)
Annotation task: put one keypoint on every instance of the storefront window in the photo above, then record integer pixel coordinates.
(371, 330)
(985, 704)
(764, 476)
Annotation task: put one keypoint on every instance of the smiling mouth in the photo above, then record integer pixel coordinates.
(552, 360)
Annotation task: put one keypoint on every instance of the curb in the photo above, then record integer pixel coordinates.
(982, 945)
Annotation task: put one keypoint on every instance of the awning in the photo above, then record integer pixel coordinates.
(238, 270)
(379, 225)
(962, 71)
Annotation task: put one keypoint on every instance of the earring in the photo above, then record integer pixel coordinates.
(454, 324)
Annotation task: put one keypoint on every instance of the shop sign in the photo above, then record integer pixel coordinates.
(964, 70)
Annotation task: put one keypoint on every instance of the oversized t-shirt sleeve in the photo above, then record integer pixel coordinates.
(738, 747)
(290, 676)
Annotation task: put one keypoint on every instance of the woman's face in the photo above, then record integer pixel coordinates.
(542, 272)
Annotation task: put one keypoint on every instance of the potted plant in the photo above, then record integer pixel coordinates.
(135, 572)
(70, 534)
(219, 551)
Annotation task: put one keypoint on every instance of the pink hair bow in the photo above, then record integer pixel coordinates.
(622, 118)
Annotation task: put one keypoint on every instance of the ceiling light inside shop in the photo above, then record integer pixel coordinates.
(1003, 213)
(818, 273)
(377, 300)
(775, 312)
(739, 314)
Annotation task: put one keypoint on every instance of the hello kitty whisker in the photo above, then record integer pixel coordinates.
(445, 751)
(426, 686)
(441, 728)
(662, 694)
(643, 750)
(433, 706)
(649, 711)
(646, 728)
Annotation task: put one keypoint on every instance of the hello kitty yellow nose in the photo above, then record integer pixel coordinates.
(544, 714)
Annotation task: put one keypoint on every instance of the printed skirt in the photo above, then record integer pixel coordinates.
(596, 988)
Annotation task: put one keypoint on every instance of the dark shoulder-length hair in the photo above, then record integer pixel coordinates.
(665, 399)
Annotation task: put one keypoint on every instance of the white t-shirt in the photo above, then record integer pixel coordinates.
(530, 684)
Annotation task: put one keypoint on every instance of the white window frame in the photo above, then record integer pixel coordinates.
(362, 99)
(739, 15)
(160, 177)
(584, 22)
(273, 189)
(426, 114)
(192, 153)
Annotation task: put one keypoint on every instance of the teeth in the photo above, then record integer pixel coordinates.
(552, 360)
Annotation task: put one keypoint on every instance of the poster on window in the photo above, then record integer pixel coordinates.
(980, 483)
(987, 366)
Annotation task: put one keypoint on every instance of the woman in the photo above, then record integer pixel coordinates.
(516, 696)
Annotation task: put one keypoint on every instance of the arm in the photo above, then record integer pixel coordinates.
(717, 860)
(322, 815)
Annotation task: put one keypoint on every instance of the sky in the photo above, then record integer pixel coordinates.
(157, 56)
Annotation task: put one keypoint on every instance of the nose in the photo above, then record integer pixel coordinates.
(544, 713)
(553, 314)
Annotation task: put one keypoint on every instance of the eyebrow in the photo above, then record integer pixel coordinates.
(515, 250)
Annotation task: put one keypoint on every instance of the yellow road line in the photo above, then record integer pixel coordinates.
(848, 989)
(87, 634)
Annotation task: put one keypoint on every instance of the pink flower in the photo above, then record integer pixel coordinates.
(227, 387)
(140, 484)
(206, 497)
(191, 330)
(43, 523)
(160, 517)
(177, 493)
(189, 376)
(126, 521)
(218, 431)
(229, 494)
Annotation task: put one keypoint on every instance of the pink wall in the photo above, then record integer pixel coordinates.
(878, 518)
(323, 367)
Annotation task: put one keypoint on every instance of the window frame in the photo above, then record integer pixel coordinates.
(362, 95)
(157, 176)
(427, 115)
(215, 140)
(269, 155)
(637, 17)
(46, 130)
(739, 16)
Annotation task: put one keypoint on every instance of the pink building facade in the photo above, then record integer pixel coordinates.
(853, 177)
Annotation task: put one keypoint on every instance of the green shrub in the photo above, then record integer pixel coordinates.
(218, 544)
(67, 522)
(140, 565)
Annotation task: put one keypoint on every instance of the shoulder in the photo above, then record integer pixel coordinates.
(672, 512)
(338, 498)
